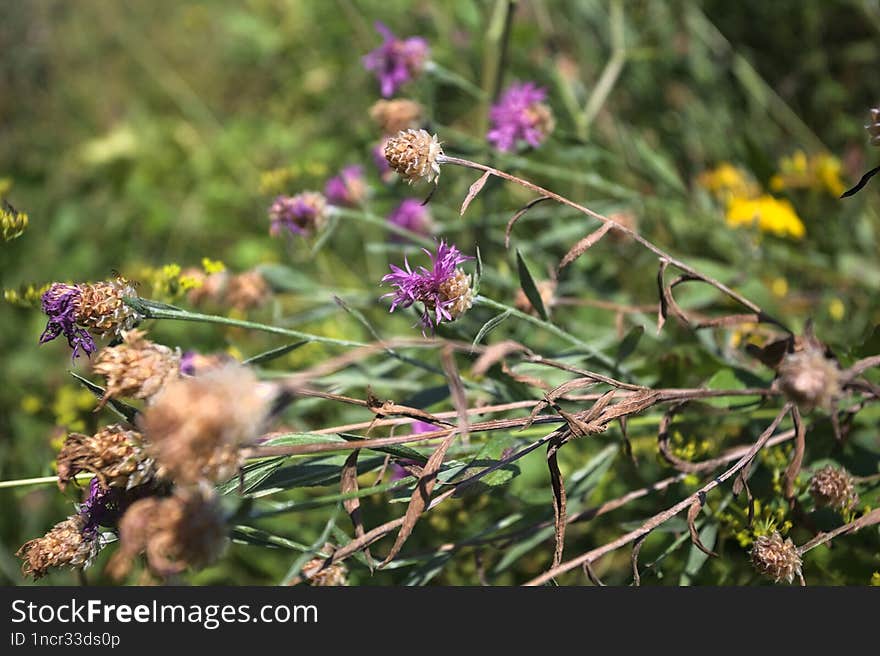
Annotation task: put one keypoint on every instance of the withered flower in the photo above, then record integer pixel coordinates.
(137, 368)
(833, 487)
(67, 544)
(415, 155)
(776, 558)
(809, 378)
(115, 455)
(247, 290)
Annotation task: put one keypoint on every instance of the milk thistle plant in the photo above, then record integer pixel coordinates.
(360, 397)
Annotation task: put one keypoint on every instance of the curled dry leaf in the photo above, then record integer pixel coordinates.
(474, 189)
(584, 245)
(692, 513)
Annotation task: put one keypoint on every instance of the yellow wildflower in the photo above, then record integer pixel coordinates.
(26, 295)
(12, 222)
(275, 181)
(875, 578)
(212, 266)
(779, 287)
(836, 309)
(820, 172)
(767, 213)
(727, 181)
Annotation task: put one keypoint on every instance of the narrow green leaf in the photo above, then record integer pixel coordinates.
(489, 326)
(629, 343)
(528, 286)
(272, 354)
(127, 412)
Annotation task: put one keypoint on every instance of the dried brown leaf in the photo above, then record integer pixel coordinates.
(692, 513)
(584, 245)
(475, 189)
(493, 354)
(349, 484)
(559, 498)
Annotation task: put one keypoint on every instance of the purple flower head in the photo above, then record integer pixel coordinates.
(105, 505)
(520, 115)
(444, 289)
(412, 216)
(59, 304)
(188, 363)
(396, 61)
(301, 214)
(347, 189)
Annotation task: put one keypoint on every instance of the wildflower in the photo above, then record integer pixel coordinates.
(415, 155)
(104, 506)
(727, 181)
(809, 378)
(206, 287)
(65, 545)
(348, 189)
(768, 214)
(444, 290)
(197, 425)
(59, 303)
(396, 61)
(137, 368)
(411, 215)
(247, 290)
(332, 575)
(547, 290)
(27, 296)
(393, 116)
(302, 214)
(116, 455)
(820, 172)
(873, 127)
(836, 309)
(520, 115)
(400, 469)
(775, 558)
(12, 222)
(779, 287)
(833, 487)
(186, 530)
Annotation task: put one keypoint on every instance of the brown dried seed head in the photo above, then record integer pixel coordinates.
(776, 558)
(247, 291)
(114, 454)
(457, 289)
(333, 575)
(187, 530)
(211, 289)
(393, 116)
(197, 425)
(137, 368)
(414, 155)
(100, 307)
(833, 487)
(809, 378)
(547, 290)
(63, 546)
(541, 118)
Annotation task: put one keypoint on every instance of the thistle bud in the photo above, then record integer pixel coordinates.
(833, 487)
(187, 530)
(415, 155)
(65, 545)
(197, 425)
(809, 378)
(776, 558)
(137, 368)
(115, 455)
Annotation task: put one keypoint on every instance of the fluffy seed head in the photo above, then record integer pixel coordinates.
(137, 368)
(197, 425)
(393, 116)
(183, 531)
(65, 545)
(115, 455)
(776, 558)
(414, 155)
(809, 378)
(100, 308)
(833, 487)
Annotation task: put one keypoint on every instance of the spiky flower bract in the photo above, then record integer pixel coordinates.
(444, 290)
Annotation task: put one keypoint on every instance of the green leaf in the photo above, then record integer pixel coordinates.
(490, 325)
(427, 397)
(272, 354)
(629, 343)
(696, 557)
(733, 379)
(528, 286)
(260, 538)
(127, 412)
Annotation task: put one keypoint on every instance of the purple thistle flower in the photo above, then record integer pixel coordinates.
(520, 115)
(300, 214)
(188, 363)
(444, 290)
(396, 61)
(105, 505)
(410, 215)
(59, 303)
(347, 189)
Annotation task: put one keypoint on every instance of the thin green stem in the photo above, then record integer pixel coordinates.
(41, 480)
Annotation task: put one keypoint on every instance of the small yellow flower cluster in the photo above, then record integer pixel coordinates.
(71, 406)
(212, 266)
(819, 172)
(25, 296)
(12, 222)
(168, 282)
(747, 205)
(768, 519)
(769, 214)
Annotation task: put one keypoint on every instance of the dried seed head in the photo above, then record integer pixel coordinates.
(197, 425)
(100, 308)
(414, 155)
(115, 455)
(776, 558)
(209, 286)
(809, 378)
(393, 116)
(65, 545)
(873, 127)
(833, 487)
(137, 368)
(547, 290)
(186, 530)
(247, 291)
(333, 575)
